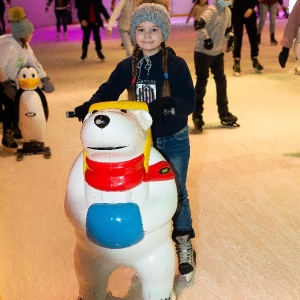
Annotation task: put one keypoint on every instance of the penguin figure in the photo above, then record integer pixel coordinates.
(31, 113)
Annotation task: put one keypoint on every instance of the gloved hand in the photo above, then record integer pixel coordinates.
(157, 107)
(82, 110)
(48, 86)
(231, 43)
(283, 56)
(10, 89)
(208, 44)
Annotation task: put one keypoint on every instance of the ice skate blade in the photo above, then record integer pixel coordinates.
(45, 151)
(188, 277)
(199, 129)
(10, 150)
(230, 125)
(236, 74)
(259, 71)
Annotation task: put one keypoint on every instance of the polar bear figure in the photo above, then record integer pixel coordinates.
(120, 198)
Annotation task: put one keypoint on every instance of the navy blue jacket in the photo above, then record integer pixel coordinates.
(83, 8)
(181, 84)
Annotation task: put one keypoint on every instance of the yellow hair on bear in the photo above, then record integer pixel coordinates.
(16, 14)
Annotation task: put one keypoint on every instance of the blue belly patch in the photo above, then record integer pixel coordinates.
(114, 226)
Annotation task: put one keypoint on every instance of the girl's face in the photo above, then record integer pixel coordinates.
(148, 37)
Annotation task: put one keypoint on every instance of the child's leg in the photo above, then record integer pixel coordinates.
(217, 69)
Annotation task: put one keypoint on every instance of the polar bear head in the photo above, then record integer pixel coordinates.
(116, 131)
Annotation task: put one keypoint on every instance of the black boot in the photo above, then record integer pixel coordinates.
(84, 54)
(17, 133)
(229, 119)
(8, 139)
(198, 122)
(285, 13)
(236, 67)
(256, 65)
(258, 39)
(100, 54)
(273, 41)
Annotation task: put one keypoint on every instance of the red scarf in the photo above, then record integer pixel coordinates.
(122, 176)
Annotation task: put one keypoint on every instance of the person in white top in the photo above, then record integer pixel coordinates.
(124, 9)
(15, 53)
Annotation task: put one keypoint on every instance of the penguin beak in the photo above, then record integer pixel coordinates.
(29, 83)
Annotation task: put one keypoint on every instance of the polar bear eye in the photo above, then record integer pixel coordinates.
(124, 111)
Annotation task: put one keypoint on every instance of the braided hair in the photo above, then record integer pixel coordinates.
(166, 90)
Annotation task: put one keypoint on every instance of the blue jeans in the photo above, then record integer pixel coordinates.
(176, 150)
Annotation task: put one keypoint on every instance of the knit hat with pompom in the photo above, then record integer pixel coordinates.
(20, 26)
(151, 12)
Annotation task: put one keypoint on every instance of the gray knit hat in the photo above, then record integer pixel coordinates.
(20, 26)
(154, 13)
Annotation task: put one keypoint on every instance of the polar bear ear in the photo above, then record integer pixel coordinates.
(143, 118)
(87, 116)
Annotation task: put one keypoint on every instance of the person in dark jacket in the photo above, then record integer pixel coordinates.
(243, 13)
(61, 8)
(155, 75)
(89, 15)
(2, 10)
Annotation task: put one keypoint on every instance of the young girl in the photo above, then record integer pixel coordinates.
(15, 53)
(154, 74)
(197, 9)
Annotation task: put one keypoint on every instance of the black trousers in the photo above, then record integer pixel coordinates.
(2, 21)
(86, 36)
(61, 19)
(238, 23)
(8, 113)
(203, 63)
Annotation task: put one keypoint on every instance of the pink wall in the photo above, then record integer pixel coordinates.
(35, 10)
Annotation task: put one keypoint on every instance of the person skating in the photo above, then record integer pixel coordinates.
(291, 37)
(61, 8)
(265, 6)
(213, 31)
(155, 75)
(89, 15)
(243, 13)
(15, 53)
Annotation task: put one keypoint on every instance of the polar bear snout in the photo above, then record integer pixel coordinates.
(101, 121)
